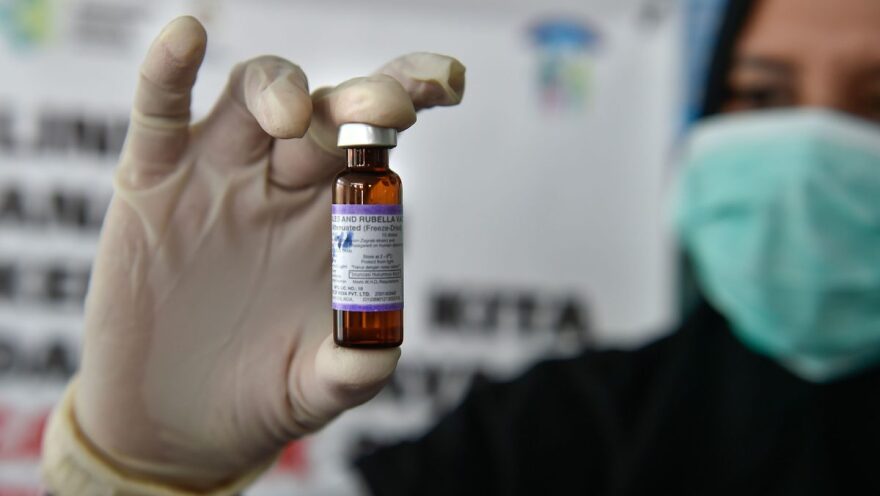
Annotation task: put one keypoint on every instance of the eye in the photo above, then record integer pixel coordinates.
(755, 97)
(871, 107)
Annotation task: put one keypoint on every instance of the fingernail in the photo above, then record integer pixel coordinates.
(185, 39)
(455, 81)
(285, 109)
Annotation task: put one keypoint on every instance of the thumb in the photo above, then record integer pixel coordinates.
(338, 379)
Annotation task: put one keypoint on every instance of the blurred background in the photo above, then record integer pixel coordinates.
(536, 211)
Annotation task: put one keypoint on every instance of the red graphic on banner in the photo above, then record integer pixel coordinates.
(20, 491)
(21, 434)
(293, 461)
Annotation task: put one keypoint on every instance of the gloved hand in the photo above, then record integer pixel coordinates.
(208, 326)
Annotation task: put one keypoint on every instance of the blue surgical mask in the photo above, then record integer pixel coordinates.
(780, 212)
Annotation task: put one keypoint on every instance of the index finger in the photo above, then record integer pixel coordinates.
(388, 99)
(430, 79)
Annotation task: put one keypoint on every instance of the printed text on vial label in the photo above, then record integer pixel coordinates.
(367, 257)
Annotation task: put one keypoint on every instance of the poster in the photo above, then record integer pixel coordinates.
(535, 221)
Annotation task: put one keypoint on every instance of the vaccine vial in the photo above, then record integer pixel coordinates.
(367, 235)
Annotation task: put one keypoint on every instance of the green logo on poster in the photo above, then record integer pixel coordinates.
(565, 49)
(25, 23)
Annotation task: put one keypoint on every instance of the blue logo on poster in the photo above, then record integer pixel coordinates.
(564, 62)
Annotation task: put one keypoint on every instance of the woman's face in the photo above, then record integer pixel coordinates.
(819, 53)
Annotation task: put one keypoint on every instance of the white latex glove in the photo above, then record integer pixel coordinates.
(208, 325)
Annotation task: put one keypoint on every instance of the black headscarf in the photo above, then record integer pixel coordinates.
(715, 93)
(736, 15)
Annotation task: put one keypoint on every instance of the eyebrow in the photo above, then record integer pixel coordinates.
(764, 64)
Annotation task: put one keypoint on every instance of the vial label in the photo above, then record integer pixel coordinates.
(367, 257)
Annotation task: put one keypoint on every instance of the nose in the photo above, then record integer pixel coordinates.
(827, 88)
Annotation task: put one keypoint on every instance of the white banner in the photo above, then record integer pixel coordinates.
(534, 211)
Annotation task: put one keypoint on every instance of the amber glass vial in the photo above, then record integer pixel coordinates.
(367, 236)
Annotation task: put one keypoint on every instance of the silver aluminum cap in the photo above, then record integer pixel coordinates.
(357, 134)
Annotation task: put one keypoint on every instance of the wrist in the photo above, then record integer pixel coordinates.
(73, 465)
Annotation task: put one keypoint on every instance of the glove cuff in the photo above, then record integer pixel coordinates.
(71, 466)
